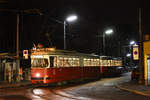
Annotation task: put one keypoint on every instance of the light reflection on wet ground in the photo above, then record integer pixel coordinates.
(103, 89)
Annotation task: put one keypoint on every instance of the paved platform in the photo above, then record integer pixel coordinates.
(14, 84)
(134, 87)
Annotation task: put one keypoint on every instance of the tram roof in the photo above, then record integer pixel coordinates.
(110, 57)
(50, 51)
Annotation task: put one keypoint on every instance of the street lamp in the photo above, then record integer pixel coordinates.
(130, 47)
(132, 42)
(128, 55)
(107, 32)
(68, 19)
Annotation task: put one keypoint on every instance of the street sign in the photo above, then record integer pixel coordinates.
(25, 54)
(135, 52)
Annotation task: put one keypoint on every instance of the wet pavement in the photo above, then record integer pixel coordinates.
(119, 88)
(105, 89)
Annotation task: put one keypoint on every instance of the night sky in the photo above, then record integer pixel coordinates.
(94, 17)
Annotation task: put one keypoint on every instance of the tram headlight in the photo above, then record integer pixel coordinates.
(37, 75)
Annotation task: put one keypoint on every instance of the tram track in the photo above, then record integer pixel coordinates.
(58, 91)
(52, 91)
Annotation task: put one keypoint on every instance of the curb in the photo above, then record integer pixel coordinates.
(133, 91)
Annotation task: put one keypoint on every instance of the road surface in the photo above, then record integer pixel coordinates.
(103, 89)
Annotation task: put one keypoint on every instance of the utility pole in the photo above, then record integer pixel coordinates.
(17, 50)
(30, 11)
(104, 43)
(141, 65)
(64, 35)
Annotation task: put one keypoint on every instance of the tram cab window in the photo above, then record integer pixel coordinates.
(39, 62)
(51, 61)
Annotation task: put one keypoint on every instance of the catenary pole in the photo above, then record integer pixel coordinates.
(17, 50)
(141, 65)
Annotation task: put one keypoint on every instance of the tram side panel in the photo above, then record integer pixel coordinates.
(51, 75)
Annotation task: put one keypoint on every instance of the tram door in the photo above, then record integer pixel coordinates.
(51, 61)
(148, 66)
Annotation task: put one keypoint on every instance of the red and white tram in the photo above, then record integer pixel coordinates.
(110, 66)
(50, 66)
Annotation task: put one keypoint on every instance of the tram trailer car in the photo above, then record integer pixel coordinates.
(111, 66)
(50, 66)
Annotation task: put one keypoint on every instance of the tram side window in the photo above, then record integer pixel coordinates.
(105, 63)
(86, 62)
(60, 62)
(113, 62)
(120, 63)
(97, 62)
(91, 62)
(100, 62)
(66, 62)
(71, 62)
(108, 63)
(75, 62)
(51, 61)
(55, 61)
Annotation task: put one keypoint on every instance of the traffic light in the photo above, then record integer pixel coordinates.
(25, 54)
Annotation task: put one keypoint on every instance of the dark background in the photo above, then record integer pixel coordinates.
(94, 17)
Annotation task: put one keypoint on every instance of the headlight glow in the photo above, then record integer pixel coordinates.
(37, 74)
